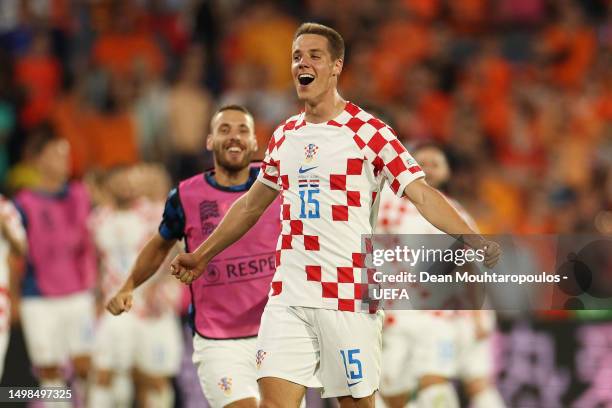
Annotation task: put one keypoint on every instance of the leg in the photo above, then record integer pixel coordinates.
(101, 391)
(483, 394)
(350, 402)
(158, 392)
(279, 393)
(436, 391)
(396, 401)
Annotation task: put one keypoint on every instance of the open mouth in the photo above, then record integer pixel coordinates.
(234, 149)
(305, 79)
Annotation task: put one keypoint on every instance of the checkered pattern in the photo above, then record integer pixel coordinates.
(320, 261)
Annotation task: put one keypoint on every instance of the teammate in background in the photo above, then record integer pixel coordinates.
(12, 242)
(57, 306)
(146, 342)
(230, 298)
(329, 162)
(412, 340)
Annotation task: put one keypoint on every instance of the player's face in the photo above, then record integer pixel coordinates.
(313, 68)
(54, 160)
(121, 186)
(232, 139)
(434, 164)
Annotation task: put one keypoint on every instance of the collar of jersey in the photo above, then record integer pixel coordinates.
(209, 176)
(302, 119)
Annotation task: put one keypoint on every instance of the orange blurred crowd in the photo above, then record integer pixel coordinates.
(519, 92)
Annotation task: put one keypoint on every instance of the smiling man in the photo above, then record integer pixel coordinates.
(229, 300)
(330, 162)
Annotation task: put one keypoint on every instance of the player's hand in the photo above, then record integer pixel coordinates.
(186, 268)
(492, 253)
(121, 302)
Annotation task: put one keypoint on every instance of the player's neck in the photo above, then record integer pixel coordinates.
(227, 178)
(325, 109)
(50, 185)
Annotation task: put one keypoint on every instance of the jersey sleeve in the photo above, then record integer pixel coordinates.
(14, 220)
(270, 167)
(390, 157)
(172, 225)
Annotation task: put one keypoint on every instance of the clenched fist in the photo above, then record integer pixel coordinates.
(121, 302)
(185, 267)
(492, 253)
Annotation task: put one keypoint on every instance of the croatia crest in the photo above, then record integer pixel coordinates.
(225, 384)
(310, 151)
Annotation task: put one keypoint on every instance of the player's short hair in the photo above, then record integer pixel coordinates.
(236, 107)
(334, 39)
(38, 138)
(427, 144)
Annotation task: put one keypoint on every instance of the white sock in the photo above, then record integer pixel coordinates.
(123, 390)
(438, 396)
(100, 397)
(56, 383)
(163, 398)
(488, 398)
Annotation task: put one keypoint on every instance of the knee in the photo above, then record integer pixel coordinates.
(431, 380)
(475, 387)
(104, 378)
(49, 373)
(82, 365)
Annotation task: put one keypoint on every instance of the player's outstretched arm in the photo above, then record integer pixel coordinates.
(17, 243)
(438, 211)
(147, 263)
(242, 215)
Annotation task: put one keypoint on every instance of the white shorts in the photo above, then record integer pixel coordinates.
(226, 369)
(56, 329)
(338, 351)
(153, 345)
(398, 354)
(447, 346)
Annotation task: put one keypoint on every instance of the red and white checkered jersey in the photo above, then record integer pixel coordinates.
(119, 236)
(329, 175)
(399, 216)
(9, 213)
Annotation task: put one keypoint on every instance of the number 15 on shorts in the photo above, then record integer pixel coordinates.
(352, 366)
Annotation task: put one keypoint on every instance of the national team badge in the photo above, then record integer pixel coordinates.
(259, 357)
(310, 151)
(225, 384)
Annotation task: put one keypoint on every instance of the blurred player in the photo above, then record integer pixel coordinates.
(230, 298)
(329, 162)
(12, 242)
(57, 306)
(425, 349)
(149, 338)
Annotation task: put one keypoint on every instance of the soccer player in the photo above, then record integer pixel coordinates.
(230, 298)
(12, 242)
(329, 162)
(57, 305)
(413, 340)
(148, 339)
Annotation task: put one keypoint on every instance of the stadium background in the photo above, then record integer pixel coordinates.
(519, 92)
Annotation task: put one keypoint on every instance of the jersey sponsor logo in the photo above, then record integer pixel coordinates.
(239, 269)
(302, 170)
(259, 357)
(212, 274)
(310, 151)
(208, 209)
(225, 384)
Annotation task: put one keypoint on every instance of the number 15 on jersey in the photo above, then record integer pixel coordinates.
(309, 207)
